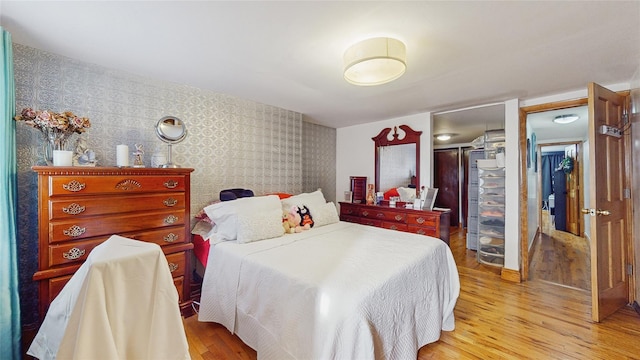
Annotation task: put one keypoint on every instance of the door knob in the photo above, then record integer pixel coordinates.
(594, 212)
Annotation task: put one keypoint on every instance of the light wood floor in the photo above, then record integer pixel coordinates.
(560, 257)
(495, 319)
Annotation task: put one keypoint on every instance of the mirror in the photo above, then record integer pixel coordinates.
(397, 160)
(171, 130)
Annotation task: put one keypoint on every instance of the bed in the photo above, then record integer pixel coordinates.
(337, 291)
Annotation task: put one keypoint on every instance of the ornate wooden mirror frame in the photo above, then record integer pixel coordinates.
(382, 139)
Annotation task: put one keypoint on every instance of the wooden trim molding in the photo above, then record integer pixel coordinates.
(510, 275)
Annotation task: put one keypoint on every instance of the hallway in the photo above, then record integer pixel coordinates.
(560, 257)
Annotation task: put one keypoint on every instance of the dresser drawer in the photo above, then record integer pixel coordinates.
(80, 228)
(55, 286)
(423, 230)
(177, 263)
(74, 251)
(394, 226)
(370, 222)
(348, 210)
(423, 219)
(383, 215)
(92, 205)
(163, 237)
(113, 184)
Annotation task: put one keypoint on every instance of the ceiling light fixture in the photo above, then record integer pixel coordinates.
(443, 137)
(565, 119)
(375, 61)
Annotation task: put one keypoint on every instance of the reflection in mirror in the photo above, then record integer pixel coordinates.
(397, 158)
(398, 165)
(171, 130)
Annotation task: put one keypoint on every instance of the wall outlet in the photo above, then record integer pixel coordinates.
(610, 130)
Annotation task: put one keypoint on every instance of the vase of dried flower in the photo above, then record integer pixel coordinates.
(52, 141)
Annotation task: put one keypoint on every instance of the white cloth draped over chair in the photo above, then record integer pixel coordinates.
(120, 304)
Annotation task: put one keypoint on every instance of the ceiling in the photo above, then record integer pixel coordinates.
(289, 54)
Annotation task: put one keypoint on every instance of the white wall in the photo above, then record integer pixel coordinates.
(355, 150)
(512, 185)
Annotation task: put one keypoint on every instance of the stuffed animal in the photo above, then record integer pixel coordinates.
(292, 222)
(306, 221)
(289, 226)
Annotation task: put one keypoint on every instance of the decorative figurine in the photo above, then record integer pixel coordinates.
(370, 198)
(82, 155)
(138, 161)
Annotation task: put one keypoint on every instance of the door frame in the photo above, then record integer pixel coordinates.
(580, 174)
(524, 211)
(524, 246)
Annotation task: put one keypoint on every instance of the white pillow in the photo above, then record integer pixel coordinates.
(311, 200)
(259, 226)
(225, 214)
(325, 215)
(406, 194)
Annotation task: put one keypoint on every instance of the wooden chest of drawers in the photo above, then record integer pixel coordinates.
(431, 223)
(80, 207)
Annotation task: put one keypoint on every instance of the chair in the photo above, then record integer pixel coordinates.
(120, 304)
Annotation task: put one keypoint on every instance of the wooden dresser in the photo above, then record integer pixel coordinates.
(431, 223)
(80, 207)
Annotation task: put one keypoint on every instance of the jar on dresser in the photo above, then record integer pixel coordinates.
(80, 207)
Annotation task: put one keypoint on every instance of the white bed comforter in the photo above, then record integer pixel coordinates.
(341, 291)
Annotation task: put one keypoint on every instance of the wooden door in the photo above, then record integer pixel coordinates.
(573, 191)
(464, 192)
(609, 279)
(446, 179)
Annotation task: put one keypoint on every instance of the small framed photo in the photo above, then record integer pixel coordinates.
(348, 196)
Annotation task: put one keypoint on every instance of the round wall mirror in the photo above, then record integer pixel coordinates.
(171, 130)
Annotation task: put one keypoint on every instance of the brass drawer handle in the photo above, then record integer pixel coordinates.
(421, 232)
(365, 213)
(398, 217)
(393, 227)
(170, 202)
(170, 219)
(420, 220)
(380, 215)
(74, 186)
(73, 209)
(171, 184)
(74, 231)
(173, 267)
(171, 237)
(73, 254)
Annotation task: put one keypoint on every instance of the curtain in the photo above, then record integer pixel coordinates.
(9, 298)
(550, 161)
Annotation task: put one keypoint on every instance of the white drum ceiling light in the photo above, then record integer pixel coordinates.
(375, 61)
(565, 119)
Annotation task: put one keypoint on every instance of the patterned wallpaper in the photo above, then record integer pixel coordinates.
(231, 142)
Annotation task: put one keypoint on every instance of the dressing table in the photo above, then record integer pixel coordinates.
(397, 164)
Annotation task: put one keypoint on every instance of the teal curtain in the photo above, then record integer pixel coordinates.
(9, 298)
